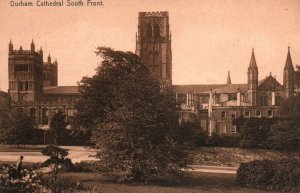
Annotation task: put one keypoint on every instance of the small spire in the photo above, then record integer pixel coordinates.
(228, 78)
(288, 63)
(49, 58)
(10, 42)
(32, 42)
(252, 60)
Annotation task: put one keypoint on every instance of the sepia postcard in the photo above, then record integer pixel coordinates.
(149, 96)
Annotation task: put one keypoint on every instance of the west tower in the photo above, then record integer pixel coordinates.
(153, 45)
(25, 69)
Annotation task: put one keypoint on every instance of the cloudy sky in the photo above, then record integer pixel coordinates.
(209, 37)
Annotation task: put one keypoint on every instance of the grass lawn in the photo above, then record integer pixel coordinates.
(193, 183)
(224, 156)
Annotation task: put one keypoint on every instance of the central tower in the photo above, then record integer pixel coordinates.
(153, 45)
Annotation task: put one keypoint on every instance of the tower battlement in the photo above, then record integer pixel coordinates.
(154, 14)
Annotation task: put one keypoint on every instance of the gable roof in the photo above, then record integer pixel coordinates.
(62, 90)
(231, 88)
(269, 84)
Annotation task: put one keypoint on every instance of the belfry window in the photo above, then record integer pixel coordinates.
(149, 30)
(156, 31)
(21, 67)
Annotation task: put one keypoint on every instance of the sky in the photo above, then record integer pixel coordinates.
(209, 37)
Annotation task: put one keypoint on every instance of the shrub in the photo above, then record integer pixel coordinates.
(63, 184)
(28, 183)
(83, 166)
(270, 174)
(223, 141)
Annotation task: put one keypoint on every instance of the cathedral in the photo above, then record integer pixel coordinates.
(33, 84)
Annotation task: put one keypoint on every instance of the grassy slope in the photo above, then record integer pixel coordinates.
(196, 182)
(221, 156)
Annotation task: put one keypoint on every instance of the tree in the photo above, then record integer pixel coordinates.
(254, 131)
(134, 123)
(57, 127)
(17, 128)
(285, 135)
(57, 155)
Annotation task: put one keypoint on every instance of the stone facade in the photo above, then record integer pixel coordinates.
(33, 87)
(215, 106)
(153, 45)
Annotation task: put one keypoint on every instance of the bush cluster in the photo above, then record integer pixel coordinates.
(83, 166)
(63, 184)
(281, 174)
(29, 182)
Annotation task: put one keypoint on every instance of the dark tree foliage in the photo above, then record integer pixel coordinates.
(57, 155)
(134, 123)
(254, 131)
(283, 174)
(16, 128)
(57, 127)
(285, 135)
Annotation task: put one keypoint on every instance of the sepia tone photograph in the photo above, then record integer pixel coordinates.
(160, 96)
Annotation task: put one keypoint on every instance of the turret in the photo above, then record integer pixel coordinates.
(228, 78)
(32, 46)
(252, 80)
(49, 59)
(11, 47)
(288, 76)
(41, 52)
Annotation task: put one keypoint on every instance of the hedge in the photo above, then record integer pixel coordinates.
(281, 174)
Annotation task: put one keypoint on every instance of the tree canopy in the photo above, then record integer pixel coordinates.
(16, 128)
(134, 124)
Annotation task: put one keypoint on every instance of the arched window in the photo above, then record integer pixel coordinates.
(156, 31)
(149, 30)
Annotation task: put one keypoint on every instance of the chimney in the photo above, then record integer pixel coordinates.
(187, 99)
(273, 99)
(238, 98)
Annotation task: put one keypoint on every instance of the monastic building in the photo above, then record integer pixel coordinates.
(33, 86)
(216, 105)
